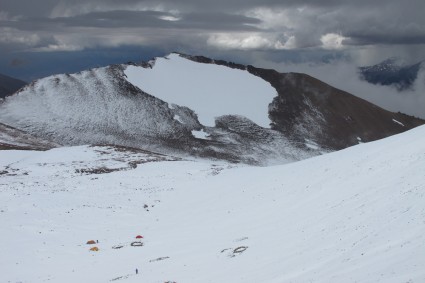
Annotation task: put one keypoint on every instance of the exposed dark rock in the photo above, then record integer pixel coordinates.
(9, 85)
(307, 108)
(391, 72)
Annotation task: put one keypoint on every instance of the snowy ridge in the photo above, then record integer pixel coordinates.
(358, 217)
(97, 107)
(245, 114)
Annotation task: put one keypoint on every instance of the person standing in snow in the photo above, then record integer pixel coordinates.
(137, 271)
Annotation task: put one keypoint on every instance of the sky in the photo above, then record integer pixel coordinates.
(41, 37)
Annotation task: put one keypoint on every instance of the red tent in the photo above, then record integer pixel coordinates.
(139, 237)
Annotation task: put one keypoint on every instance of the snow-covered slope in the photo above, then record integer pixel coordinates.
(11, 138)
(356, 215)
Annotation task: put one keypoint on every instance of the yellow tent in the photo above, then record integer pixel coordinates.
(94, 249)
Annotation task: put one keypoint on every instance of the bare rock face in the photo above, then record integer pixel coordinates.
(100, 106)
(334, 119)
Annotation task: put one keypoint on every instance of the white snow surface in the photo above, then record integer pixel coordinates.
(200, 134)
(178, 118)
(398, 122)
(209, 90)
(358, 216)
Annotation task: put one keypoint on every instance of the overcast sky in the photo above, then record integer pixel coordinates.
(46, 36)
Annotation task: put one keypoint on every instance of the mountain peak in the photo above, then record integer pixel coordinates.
(196, 106)
(392, 72)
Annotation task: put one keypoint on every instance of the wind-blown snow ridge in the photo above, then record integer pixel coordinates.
(358, 217)
(210, 90)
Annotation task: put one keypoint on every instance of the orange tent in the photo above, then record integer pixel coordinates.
(94, 249)
(91, 242)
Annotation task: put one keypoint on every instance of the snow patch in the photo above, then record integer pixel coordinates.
(178, 118)
(400, 123)
(311, 144)
(200, 134)
(209, 90)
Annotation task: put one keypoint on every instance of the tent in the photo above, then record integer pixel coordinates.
(91, 242)
(139, 237)
(94, 249)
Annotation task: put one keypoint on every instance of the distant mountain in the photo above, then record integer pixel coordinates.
(195, 106)
(392, 72)
(9, 85)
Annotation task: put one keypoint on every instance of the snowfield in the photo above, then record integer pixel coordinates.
(210, 90)
(356, 215)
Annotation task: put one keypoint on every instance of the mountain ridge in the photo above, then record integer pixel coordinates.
(356, 215)
(352, 116)
(101, 106)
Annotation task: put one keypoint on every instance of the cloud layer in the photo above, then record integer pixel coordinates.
(49, 25)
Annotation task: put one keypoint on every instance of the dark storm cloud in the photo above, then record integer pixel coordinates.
(56, 36)
(369, 39)
(221, 25)
(45, 7)
(303, 22)
(28, 8)
(135, 19)
(195, 5)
